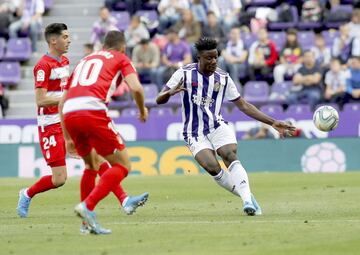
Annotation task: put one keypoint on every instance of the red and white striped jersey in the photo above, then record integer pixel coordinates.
(95, 79)
(52, 74)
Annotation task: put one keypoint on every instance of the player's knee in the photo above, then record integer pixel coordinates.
(213, 169)
(59, 181)
(229, 157)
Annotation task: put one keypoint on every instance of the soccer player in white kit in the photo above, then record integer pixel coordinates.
(203, 87)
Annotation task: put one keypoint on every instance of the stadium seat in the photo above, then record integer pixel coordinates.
(278, 38)
(10, 73)
(279, 91)
(119, 6)
(162, 111)
(151, 93)
(151, 15)
(329, 36)
(2, 47)
(299, 112)
(272, 109)
(340, 8)
(130, 112)
(306, 39)
(262, 3)
(18, 49)
(285, 25)
(248, 39)
(256, 91)
(123, 19)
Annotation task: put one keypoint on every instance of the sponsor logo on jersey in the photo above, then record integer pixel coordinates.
(40, 75)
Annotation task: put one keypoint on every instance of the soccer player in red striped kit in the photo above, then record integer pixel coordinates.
(85, 101)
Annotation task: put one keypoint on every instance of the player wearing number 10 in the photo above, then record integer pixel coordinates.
(85, 119)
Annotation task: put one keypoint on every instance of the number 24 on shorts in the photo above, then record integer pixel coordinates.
(49, 142)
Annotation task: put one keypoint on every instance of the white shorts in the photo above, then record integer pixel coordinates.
(221, 136)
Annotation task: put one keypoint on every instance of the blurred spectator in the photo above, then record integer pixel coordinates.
(7, 8)
(352, 93)
(290, 57)
(306, 82)
(345, 46)
(198, 10)
(355, 24)
(31, 12)
(214, 30)
(135, 32)
(227, 12)
(101, 27)
(311, 11)
(234, 56)
(335, 81)
(335, 15)
(146, 58)
(189, 29)
(321, 51)
(262, 131)
(175, 54)
(262, 56)
(132, 6)
(88, 48)
(4, 102)
(170, 12)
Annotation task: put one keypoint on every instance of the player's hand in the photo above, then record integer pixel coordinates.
(178, 88)
(284, 128)
(143, 116)
(70, 149)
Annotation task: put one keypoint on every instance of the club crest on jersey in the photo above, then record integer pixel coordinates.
(40, 75)
(217, 86)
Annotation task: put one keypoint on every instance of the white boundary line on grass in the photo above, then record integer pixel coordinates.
(233, 222)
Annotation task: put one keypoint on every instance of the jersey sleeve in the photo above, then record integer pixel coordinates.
(126, 67)
(175, 79)
(231, 92)
(42, 75)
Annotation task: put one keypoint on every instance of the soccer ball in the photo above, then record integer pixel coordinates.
(323, 158)
(326, 118)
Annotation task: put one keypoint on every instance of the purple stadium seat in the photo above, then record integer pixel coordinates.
(285, 25)
(151, 15)
(248, 39)
(256, 91)
(299, 111)
(162, 111)
(123, 19)
(119, 6)
(130, 112)
(278, 38)
(150, 5)
(329, 36)
(2, 47)
(281, 88)
(272, 109)
(306, 39)
(340, 8)
(151, 92)
(10, 73)
(18, 49)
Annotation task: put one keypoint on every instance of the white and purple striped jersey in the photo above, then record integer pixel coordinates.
(202, 100)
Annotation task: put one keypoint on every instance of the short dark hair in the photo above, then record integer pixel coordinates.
(89, 46)
(54, 29)
(113, 39)
(206, 43)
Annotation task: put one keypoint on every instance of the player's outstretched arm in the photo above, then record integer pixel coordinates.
(250, 110)
(42, 100)
(166, 93)
(138, 94)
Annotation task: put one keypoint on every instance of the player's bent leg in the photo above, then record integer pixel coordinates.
(59, 176)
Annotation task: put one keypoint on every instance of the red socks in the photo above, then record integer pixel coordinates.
(118, 192)
(87, 183)
(44, 184)
(109, 181)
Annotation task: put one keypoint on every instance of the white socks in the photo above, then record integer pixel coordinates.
(240, 179)
(224, 180)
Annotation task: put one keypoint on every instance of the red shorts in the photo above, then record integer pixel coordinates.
(93, 129)
(52, 145)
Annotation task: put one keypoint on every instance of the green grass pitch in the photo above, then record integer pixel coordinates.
(303, 214)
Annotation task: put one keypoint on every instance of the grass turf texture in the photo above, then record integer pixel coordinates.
(303, 214)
